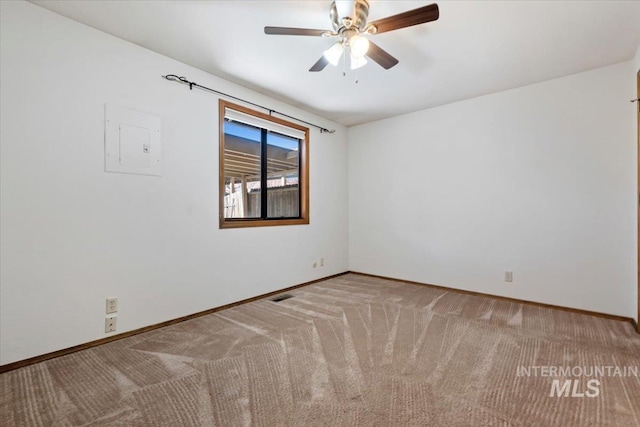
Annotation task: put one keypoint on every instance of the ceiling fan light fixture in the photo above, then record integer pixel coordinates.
(359, 46)
(357, 62)
(334, 53)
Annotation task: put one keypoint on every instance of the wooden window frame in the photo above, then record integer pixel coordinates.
(303, 173)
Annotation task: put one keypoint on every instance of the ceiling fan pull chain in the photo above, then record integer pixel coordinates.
(344, 63)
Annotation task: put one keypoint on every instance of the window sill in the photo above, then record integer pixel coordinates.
(244, 223)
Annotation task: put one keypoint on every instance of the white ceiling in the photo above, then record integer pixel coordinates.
(475, 48)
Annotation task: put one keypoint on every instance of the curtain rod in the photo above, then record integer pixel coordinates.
(183, 80)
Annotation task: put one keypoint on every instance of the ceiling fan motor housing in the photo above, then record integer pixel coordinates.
(355, 15)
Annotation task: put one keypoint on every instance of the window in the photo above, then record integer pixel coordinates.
(264, 169)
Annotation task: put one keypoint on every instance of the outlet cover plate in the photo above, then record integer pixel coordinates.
(112, 305)
(110, 323)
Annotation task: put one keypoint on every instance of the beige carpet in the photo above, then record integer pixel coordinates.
(351, 351)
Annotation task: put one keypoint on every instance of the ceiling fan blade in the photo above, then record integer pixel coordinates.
(381, 56)
(407, 19)
(286, 31)
(319, 66)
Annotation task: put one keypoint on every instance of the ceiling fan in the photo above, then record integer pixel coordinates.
(349, 20)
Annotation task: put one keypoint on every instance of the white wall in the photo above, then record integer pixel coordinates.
(73, 235)
(538, 180)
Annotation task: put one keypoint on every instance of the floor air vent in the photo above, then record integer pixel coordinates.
(281, 297)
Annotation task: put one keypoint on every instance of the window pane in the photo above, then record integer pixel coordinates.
(263, 169)
(283, 166)
(241, 170)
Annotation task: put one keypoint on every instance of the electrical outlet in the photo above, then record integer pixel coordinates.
(110, 323)
(508, 276)
(321, 262)
(112, 305)
(315, 264)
